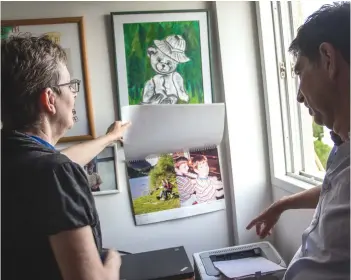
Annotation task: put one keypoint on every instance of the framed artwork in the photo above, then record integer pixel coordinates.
(69, 33)
(162, 57)
(102, 172)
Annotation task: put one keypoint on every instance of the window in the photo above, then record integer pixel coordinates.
(322, 143)
(299, 148)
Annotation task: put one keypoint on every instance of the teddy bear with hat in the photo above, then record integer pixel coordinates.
(167, 86)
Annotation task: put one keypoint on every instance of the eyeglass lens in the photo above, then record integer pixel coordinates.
(74, 86)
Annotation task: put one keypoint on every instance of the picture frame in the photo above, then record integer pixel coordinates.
(102, 172)
(162, 57)
(69, 32)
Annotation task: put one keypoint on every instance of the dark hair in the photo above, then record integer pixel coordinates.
(181, 158)
(28, 65)
(331, 24)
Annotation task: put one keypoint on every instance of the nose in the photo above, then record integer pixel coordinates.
(300, 98)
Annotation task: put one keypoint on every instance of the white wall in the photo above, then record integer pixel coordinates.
(238, 83)
(243, 92)
(289, 229)
(198, 233)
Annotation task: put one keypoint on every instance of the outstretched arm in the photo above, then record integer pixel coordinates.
(84, 152)
(307, 199)
(264, 223)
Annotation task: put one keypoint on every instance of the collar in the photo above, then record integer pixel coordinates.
(336, 138)
(41, 141)
(343, 152)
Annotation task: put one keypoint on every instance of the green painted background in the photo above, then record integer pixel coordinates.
(5, 31)
(138, 37)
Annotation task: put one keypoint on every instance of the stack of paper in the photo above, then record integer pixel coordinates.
(234, 269)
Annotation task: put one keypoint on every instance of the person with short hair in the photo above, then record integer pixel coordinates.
(94, 178)
(322, 49)
(207, 188)
(50, 225)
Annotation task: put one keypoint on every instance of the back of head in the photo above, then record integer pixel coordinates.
(28, 66)
(330, 24)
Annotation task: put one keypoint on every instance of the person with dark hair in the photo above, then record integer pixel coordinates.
(322, 49)
(50, 226)
(94, 178)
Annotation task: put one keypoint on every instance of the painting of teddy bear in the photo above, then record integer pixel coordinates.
(170, 63)
(163, 62)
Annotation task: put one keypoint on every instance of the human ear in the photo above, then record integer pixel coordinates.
(48, 101)
(328, 59)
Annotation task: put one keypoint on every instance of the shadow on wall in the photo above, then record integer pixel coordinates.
(112, 62)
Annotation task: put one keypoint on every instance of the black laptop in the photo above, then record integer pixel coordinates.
(166, 264)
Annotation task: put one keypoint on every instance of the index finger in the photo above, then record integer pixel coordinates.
(251, 224)
(126, 124)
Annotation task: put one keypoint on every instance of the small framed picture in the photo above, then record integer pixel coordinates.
(102, 172)
(69, 33)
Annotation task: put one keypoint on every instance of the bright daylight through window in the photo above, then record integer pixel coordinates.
(298, 147)
(322, 143)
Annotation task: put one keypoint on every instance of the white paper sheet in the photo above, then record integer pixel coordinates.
(158, 129)
(247, 266)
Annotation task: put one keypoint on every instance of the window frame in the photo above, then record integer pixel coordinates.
(289, 127)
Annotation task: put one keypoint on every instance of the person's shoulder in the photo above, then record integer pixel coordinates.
(343, 176)
(64, 177)
(55, 160)
(213, 178)
(59, 166)
(340, 185)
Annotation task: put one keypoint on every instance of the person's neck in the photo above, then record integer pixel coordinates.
(45, 132)
(341, 124)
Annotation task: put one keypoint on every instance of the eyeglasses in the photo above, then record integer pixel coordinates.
(73, 85)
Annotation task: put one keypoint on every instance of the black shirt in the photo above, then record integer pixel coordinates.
(42, 193)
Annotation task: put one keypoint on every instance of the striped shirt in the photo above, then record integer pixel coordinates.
(185, 188)
(206, 189)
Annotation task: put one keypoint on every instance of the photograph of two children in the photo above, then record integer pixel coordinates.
(180, 180)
